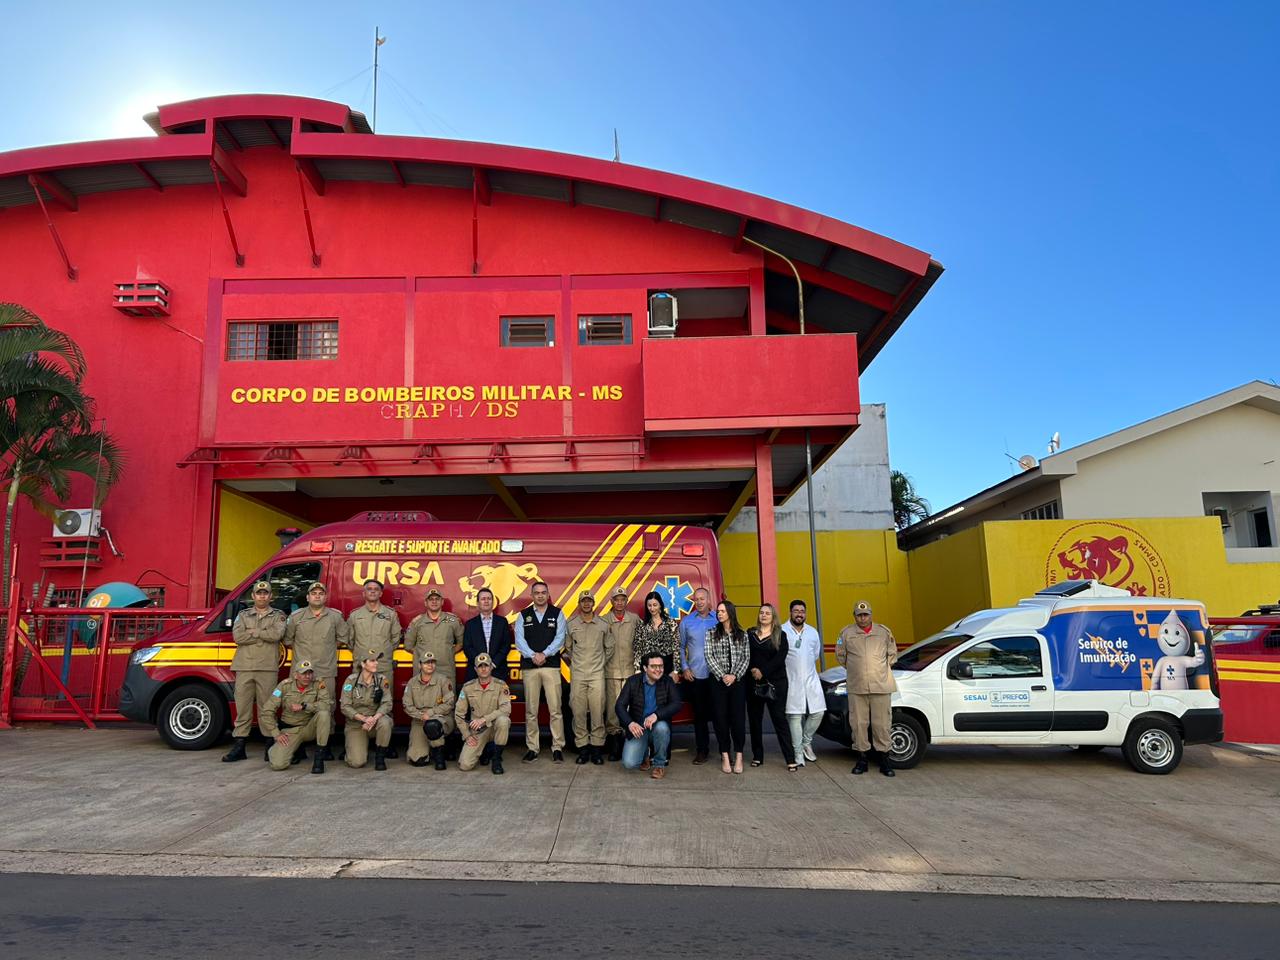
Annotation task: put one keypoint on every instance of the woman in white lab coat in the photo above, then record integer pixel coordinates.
(806, 702)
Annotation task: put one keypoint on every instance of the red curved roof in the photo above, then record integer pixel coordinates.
(868, 282)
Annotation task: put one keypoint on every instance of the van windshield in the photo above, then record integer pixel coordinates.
(926, 651)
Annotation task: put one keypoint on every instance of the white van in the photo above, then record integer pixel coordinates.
(1080, 664)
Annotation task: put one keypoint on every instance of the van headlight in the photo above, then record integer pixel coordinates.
(841, 689)
(145, 654)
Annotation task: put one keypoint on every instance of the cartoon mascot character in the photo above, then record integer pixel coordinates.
(1175, 644)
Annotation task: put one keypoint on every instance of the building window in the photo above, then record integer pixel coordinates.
(605, 330)
(282, 340)
(528, 331)
(156, 594)
(67, 597)
(1046, 511)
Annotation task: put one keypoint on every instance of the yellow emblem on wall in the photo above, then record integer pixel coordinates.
(1111, 553)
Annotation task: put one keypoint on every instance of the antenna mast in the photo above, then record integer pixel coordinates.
(377, 42)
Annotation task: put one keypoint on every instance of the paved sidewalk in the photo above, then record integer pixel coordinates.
(971, 820)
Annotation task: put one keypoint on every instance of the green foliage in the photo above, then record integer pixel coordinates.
(908, 505)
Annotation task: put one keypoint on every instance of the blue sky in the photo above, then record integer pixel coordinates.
(1101, 180)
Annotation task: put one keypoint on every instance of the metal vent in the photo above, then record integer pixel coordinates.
(528, 331)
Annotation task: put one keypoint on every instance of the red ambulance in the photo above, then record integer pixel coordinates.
(181, 682)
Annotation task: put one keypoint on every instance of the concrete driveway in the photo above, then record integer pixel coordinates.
(989, 820)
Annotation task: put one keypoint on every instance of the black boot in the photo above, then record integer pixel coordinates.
(317, 762)
(266, 753)
(615, 748)
(486, 754)
(861, 765)
(437, 757)
(236, 752)
(597, 755)
(299, 756)
(584, 755)
(392, 752)
(326, 753)
(495, 761)
(380, 758)
(884, 765)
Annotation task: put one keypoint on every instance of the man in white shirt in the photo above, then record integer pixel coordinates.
(806, 703)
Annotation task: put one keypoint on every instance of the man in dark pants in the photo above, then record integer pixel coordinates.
(697, 681)
(648, 701)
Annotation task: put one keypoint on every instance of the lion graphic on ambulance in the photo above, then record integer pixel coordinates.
(508, 581)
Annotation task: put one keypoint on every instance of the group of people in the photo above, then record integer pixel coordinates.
(630, 675)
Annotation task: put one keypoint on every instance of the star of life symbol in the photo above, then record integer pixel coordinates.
(677, 594)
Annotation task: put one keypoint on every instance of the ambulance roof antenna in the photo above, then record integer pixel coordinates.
(1055, 443)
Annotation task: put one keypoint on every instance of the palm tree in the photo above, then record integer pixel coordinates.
(47, 431)
(908, 505)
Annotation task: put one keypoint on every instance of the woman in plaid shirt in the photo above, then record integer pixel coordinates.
(728, 656)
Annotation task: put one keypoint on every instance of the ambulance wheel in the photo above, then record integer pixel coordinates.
(192, 717)
(1153, 745)
(907, 741)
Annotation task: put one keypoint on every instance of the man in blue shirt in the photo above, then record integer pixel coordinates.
(645, 707)
(539, 635)
(697, 682)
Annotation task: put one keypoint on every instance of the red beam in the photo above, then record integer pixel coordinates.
(869, 344)
(768, 543)
(395, 168)
(782, 321)
(483, 191)
(53, 231)
(226, 214)
(738, 243)
(146, 175)
(313, 175)
(223, 164)
(306, 216)
(833, 281)
(235, 144)
(54, 189)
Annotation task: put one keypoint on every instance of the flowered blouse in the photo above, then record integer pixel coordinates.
(664, 640)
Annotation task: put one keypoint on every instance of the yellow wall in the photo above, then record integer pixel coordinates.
(996, 564)
(854, 565)
(247, 536)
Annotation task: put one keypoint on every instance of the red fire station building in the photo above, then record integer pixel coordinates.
(279, 305)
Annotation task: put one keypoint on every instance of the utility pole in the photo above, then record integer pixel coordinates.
(377, 42)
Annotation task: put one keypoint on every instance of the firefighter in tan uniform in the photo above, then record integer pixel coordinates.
(619, 665)
(867, 651)
(483, 713)
(428, 700)
(375, 627)
(314, 633)
(366, 704)
(256, 664)
(305, 704)
(435, 630)
(588, 645)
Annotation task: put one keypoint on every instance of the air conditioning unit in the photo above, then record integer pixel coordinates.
(663, 315)
(1223, 516)
(77, 523)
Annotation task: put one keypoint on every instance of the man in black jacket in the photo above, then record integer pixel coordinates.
(487, 632)
(645, 708)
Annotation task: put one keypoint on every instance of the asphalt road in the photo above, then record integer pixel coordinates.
(91, 917)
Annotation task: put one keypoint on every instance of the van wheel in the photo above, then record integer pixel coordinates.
(1153, 745)
(907, 741)
(192, 717)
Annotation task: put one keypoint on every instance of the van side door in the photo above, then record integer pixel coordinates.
(998, 689)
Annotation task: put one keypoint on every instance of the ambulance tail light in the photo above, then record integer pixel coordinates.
(693, 550)
(322, 546)
(512, 546)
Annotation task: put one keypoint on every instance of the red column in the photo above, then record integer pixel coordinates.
(767, 542)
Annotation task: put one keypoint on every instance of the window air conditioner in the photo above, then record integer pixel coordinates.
(663, 315)
(77, 523)
(1223, 516)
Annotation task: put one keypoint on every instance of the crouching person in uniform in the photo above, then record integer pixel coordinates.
(306, 713)
(483, 714)
(428, 699)
(366, 703)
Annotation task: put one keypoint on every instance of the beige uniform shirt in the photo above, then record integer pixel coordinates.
(316, 638)
(588, 646)
(481, 703)
(257, 638)
(429, 701)
(620, 664)
(442, 637)
(361, 698)
(379, 630)
(868, 658)
(285, 697)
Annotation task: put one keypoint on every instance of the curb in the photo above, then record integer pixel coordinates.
(166, 865)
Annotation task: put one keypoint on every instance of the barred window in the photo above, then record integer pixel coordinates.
(606, 330)
(1046, 511)
(282, 340)
(67, 597)
(528, 331)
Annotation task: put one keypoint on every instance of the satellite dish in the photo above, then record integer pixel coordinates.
(1027, 462)
(1055, 442)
